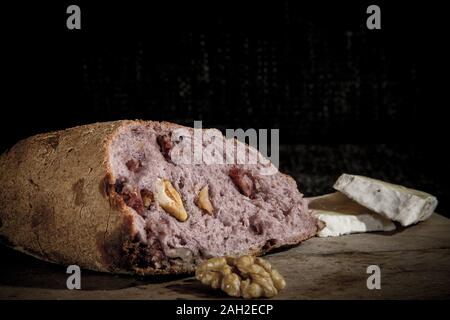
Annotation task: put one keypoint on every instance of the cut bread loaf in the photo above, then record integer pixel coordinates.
(123, 197)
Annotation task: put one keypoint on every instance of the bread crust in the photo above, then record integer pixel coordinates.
(58, 202)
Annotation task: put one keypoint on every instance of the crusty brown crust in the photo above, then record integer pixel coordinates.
(50, 196)
(57, 202)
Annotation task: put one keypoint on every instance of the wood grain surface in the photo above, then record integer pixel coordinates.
(414, 262)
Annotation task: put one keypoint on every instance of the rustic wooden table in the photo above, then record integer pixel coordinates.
(414, 262)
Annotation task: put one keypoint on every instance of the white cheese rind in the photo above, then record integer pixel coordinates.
(404, 205)
(338, 224)
(342, 215)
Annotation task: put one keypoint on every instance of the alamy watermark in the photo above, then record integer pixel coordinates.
(73, 21)
(374, 280)
(207, 146)
(74, 280)
(374, 20)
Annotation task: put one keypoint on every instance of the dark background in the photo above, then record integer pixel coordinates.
(345, 98)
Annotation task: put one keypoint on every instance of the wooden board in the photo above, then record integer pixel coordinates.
(414, 262)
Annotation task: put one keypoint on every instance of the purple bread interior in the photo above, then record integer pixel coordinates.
(252, 211)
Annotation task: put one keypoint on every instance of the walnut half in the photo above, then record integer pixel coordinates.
(203, 201)
(169, 199)
(245, 276)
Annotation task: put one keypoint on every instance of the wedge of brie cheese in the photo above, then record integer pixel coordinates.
(407, 206)
(342, 215)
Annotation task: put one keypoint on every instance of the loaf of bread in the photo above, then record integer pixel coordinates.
(135, 197)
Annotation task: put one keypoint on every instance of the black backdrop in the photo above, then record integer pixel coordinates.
(345, 98)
